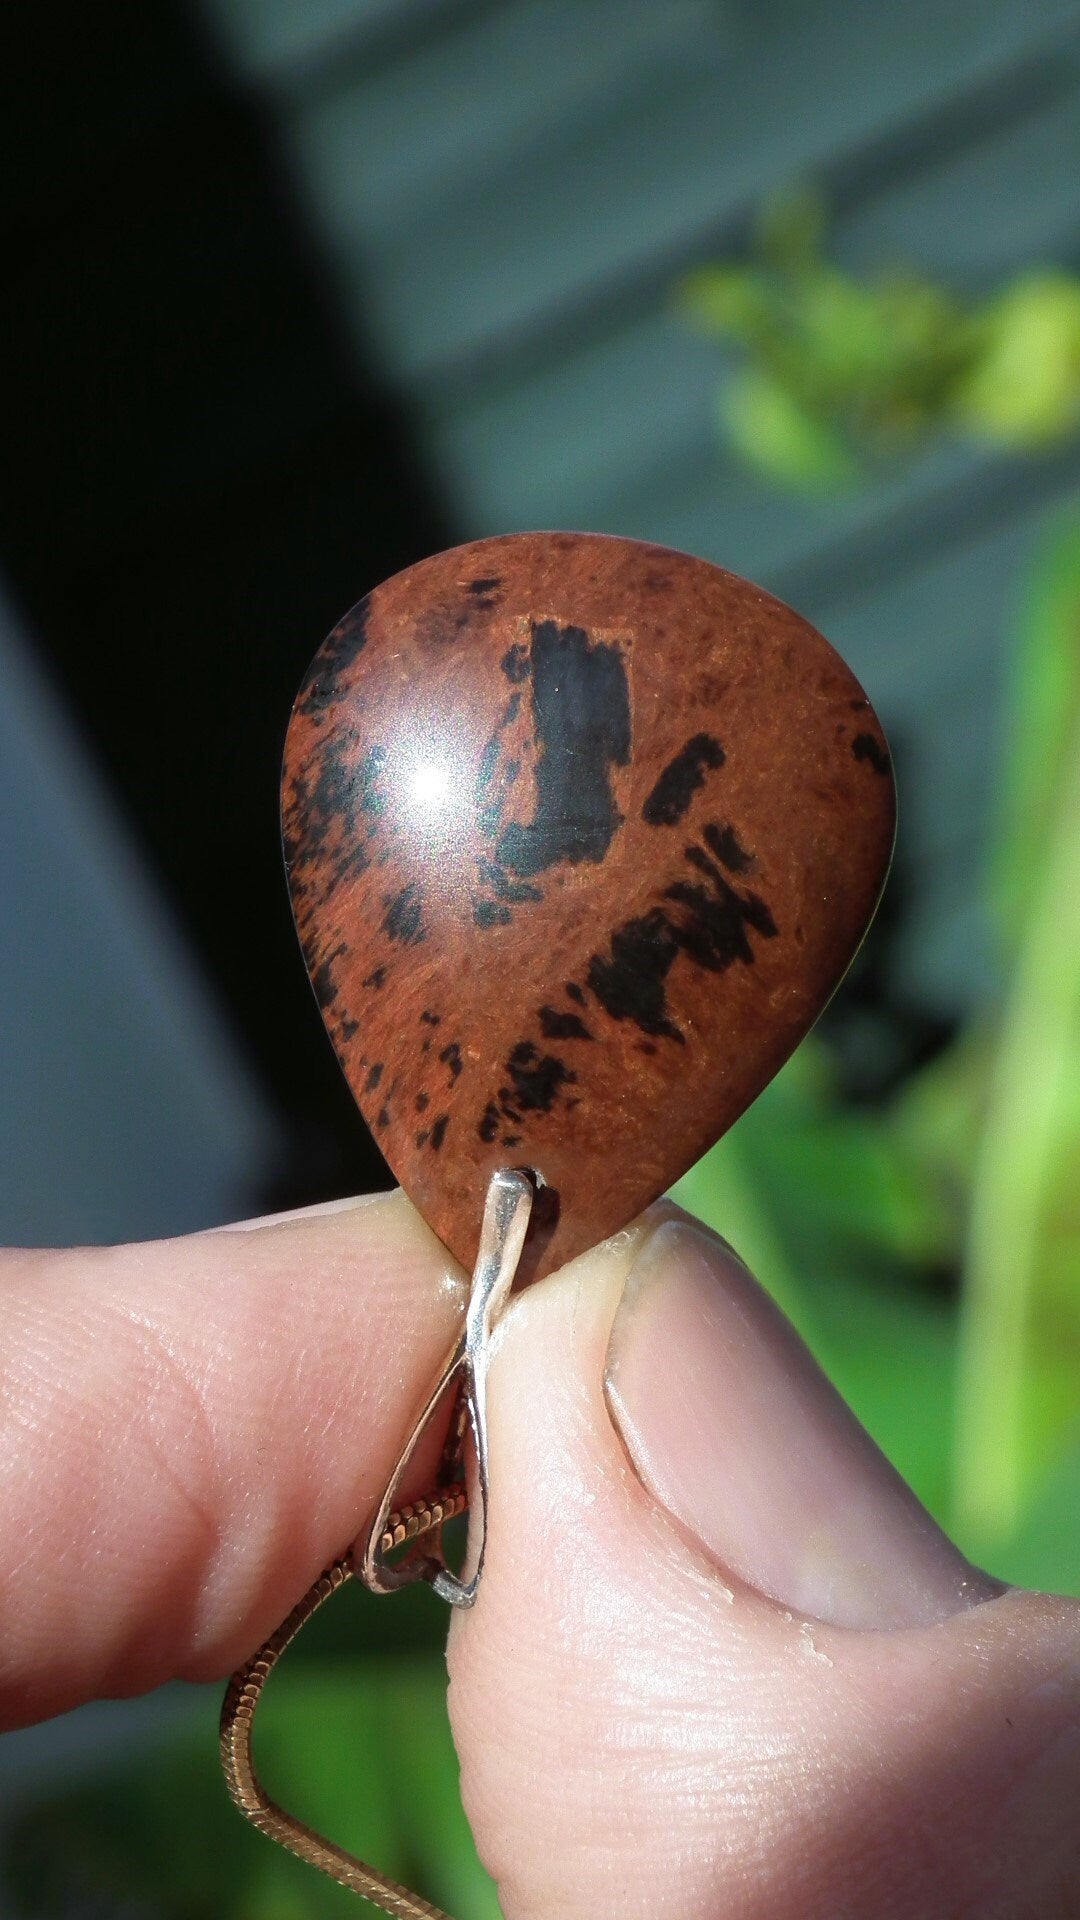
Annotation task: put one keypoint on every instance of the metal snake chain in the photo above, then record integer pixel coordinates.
(243, 1696)
(506, 1217)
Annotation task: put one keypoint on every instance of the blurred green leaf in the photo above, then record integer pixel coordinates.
(935, 1118)
(1020, 1349)
(792, 1207)
(718, 1192)
(796, 1216)
(1042, 704)
(780, 437)
(1023, 387)
(837, 370)
(1043, 1551)
(361, 1751)
(976, 1158)
(154, 1839)
(890, 1349)
(843, 340)
(842, 1184)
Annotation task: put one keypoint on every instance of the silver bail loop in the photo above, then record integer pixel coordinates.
(506, 1218)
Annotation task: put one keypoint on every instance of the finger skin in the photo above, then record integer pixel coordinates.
(191, 1430)
(643, 1738)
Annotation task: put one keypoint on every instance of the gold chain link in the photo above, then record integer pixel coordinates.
(243, 1696)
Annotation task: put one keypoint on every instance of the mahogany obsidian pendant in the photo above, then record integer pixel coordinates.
(581, 834)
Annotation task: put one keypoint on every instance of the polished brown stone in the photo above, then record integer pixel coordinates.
(581, 834)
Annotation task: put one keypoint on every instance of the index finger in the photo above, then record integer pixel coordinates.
(191, 1429)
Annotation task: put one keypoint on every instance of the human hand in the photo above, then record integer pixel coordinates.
(747, 1677)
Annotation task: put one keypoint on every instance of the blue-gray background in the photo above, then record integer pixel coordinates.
(296, 290)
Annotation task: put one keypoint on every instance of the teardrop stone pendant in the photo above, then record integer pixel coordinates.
(580, 834)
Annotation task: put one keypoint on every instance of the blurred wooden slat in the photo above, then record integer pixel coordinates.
(391, 156)
(710, 122)
(128, 1107)
(277, 42)
(507, 203)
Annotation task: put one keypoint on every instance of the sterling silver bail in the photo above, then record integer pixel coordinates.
(506, 1218)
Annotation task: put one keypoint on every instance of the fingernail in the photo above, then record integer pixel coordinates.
(734, 1429)
(322, 1210)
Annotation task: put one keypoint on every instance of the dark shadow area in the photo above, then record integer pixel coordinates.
(199, 478)
(878, 1031)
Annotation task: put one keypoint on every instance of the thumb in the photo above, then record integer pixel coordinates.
(722, 1661)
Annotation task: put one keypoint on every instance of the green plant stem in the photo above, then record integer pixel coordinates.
(1014, 1169)
(719, 1191)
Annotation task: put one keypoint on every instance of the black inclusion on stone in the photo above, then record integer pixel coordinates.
(403, 920)
(629, 982)
(486, 584)
(376, 978)
(581, 718)
(712, 927)
(324, 803)
(489, 760)
(335, 810)
(575, 992)
(490, 757)
(515, 892)
(494, 783)
(322, 689)
(429, 1019)
(375, 1074)
(515, 665)
(724, 843)
(491, 913)
(489, 1123)
(680, 780)
(495, 777)
(341, 791)
(370, 798)
(562, 1026)
(438, 1131)
(451, 1057)
(322, 976)
(714, 930)
(421, 1103)
(865, 747)
(536, 1079)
